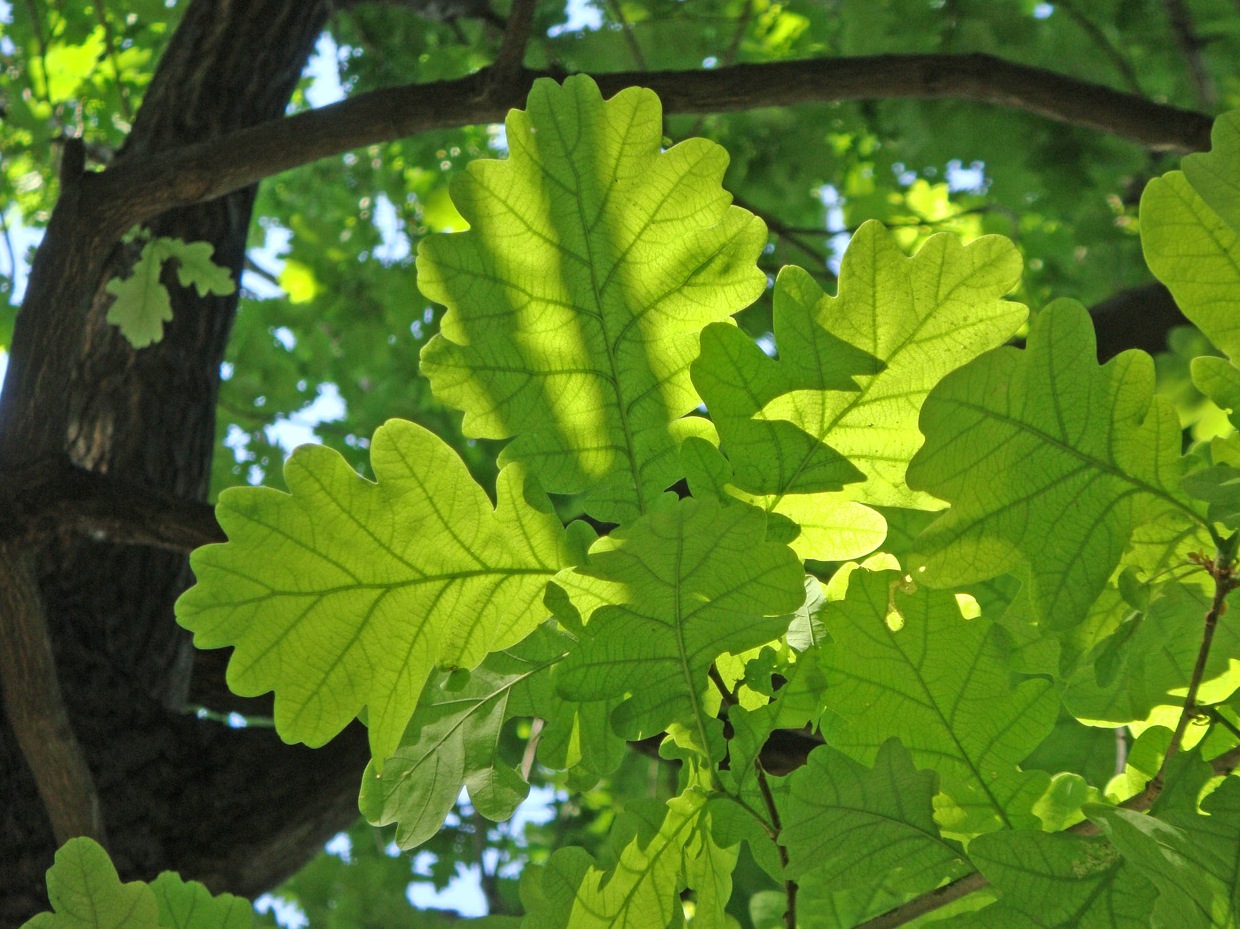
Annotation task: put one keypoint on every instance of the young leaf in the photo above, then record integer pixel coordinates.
(844, 823)
(1057, 882)
(909, 666)
(344, 593)
(576, 297)
(1050, 462)
(667, 595)
(142, 305)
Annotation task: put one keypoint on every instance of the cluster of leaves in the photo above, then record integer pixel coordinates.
(1026, 516)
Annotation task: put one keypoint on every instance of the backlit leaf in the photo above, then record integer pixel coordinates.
(576, 297)
(669, 594)
(1050, 462)
(909, 666)
(345, 593)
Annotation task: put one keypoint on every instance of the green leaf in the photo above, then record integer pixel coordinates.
(1050, 462)
(664, 597)
(1192, 859)
(1057, 882)
(919, 318)
(642, 890)
(196, 269)
(1190, 232)
(909, 666)
(142, 305)
(844, 823)
(1215, 175)
(452, 741)
(576, 297)
(1219, 380)
(345, 593)
(189, 905)
(86, 893)
(1152, 656)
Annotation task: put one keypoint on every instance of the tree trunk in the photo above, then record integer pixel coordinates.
(234, 808)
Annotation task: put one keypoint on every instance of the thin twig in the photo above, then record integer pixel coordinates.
(1191, 44)
(794, 235)
(109, 39)
(1221, 569)
(790, 886)
(1107, 47)
(626, 30)
(511, 55)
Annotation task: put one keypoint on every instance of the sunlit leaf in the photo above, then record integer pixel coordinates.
(669, 594)
(575, 299)
(345, 593)
(1050, 463)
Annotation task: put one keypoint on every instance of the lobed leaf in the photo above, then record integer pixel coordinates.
(642, 889)
(345, 593)
(909, 666)
(1192, 859)
(86, 893)
(452, 741)
(1050, 462)
(664, 597)
(844, 823)
(575, 299)
(1057, 882)
(917, 319)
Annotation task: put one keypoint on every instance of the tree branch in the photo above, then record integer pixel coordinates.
(140, 188)
(511, 55)
(44, 499)
(35, 706)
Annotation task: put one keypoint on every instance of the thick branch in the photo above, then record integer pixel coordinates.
(35, 706)
(141, 188)
(50, 498)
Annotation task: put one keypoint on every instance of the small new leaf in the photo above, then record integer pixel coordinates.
(142, 305)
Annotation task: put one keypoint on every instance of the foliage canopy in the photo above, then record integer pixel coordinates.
(661, 488)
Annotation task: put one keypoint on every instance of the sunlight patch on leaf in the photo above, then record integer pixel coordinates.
(576, 297)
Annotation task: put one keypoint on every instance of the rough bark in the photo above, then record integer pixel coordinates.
(85, 415)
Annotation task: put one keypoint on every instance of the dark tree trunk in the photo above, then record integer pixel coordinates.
(234, 808)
